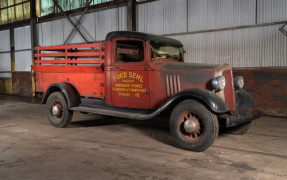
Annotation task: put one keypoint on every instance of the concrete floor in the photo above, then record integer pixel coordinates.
(97, 147)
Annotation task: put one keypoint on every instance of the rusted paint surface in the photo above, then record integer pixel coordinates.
(87, 84)
(229, 90)
(22, 84)
(143, 84)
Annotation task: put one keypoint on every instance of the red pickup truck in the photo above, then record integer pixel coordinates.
(140, 76)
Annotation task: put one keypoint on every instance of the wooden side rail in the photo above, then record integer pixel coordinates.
(71, 54)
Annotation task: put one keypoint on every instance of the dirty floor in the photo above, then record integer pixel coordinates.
(98, 147)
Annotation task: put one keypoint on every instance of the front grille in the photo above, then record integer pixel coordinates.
(229, 89)
(172, 84)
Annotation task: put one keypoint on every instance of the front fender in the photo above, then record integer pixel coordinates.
(243, 101)
(69, 91)
(208, 98)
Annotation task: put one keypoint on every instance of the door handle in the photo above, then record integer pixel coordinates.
(112, 67)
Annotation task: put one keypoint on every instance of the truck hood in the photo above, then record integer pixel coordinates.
(176, 77)
(178, 66)
(189, 75)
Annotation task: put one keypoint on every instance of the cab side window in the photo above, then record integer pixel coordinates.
(129, 51)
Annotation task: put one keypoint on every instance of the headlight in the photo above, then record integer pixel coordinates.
(219, 83)
(238, 82)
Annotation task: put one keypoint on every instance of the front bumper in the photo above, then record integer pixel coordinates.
(232, 121)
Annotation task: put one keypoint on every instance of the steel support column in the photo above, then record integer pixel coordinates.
(12, 50)
(34, 36)
(131, 15)
(33, 22)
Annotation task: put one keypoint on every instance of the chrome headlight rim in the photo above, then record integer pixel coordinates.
(238, 82)
(219, 83)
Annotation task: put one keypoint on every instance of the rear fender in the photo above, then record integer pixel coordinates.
(71, 94)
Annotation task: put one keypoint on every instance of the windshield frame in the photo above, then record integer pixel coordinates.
(152, 60)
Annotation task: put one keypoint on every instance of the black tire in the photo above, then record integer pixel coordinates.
(239, 130)
(204, 122)
(64, 115)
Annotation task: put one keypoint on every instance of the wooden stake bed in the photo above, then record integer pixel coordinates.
(81, 65)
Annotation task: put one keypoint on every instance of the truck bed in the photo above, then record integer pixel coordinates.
(80, 65)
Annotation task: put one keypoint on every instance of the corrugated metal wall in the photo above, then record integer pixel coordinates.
(246, 47)
(23, 57)
(272, 10)
(174, 16)
(5, 58)
(251, 47)
(94, 26)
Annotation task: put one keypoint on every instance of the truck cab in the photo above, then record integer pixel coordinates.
(140, 76)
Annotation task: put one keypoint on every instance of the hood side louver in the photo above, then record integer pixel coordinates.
(172, 84)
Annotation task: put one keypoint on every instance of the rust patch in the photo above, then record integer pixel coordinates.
(22, 84)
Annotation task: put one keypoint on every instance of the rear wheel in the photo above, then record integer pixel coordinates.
(193, 126)
(57, 110)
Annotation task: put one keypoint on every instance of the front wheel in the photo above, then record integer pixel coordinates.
(57, 110)
(193, 126)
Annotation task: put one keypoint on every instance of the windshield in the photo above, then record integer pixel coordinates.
(165, 51)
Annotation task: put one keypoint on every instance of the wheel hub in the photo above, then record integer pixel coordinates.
(55, 110)
(190, 126)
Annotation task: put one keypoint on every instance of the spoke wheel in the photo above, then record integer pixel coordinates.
(190, 126)
(57, 110)
(193, 126)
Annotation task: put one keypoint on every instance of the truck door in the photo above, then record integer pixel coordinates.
(129, 78)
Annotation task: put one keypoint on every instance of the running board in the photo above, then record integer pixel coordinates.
(117, 112)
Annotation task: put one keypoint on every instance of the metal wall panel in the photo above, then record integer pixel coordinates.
(51, 33)
(5, 62)
(45, 33)
(57, 28)
(244, 12)
(123, 14)
(5, 40)
(170, 16)
(175, 16)
(259, 47)
(67, 27)
(106, 21)
(212, 14)
(109, 20)
(211, 48)
(5, 65)
(5, 75)
(150, 17)
(272, 11)
(22, 38)
(251, 47)
(94, 26)
(87, 27)
(23, 61)
(5, 58)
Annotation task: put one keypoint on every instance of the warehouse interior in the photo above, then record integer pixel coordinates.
(250, 35)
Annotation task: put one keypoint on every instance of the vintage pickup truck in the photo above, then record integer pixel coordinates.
(140, 76)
